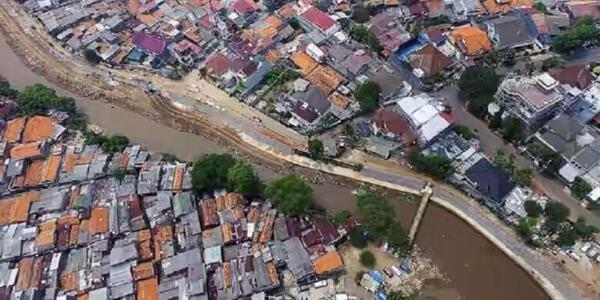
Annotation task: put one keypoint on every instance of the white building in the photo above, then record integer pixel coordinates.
(514, 204)
(426, 117)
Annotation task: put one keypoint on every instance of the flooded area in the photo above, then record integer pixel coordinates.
(475, 267)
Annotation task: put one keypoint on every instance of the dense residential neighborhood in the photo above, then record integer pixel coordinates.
(351, 76)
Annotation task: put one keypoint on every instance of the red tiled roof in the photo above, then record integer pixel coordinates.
(217, 64)
(318, 18)
(152, 42)
(391, 121)
(243, 6)
(576, 76)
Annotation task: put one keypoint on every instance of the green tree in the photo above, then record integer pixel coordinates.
(242, 179)
(464, 131)
(533, 208)
(114, 143)
(504, 162)
(523, 176)
(339, 217)
(367, 259)
(525, 229)
(375, 213)
(513, 130)
(368, 95)
(290, 194)
(358, 237)
(539, 6)
(556, 213)
(169, 157)
(434, 21)
(364, 35)
(584, 230)
(584, 30)
(580, 188)
(315, 149)
(431, 164)
(6, 90)
(92, 56)
(552, 62)
(567, 236)
(398, 239)
(210, 171)
(479, 84)
(39, 99)
(549, 159)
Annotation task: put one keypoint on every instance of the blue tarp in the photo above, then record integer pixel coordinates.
(376, 275)
(380, 296)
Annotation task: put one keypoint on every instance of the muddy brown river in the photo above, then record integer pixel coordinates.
(475, 267)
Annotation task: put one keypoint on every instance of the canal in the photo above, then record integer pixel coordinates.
(475, 267)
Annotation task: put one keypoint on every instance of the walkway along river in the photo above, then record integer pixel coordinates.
(476, 268)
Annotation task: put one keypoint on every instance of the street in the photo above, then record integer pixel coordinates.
(490, 143)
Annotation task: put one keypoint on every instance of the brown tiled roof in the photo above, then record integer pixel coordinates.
(430, 60)
(501, 6)
(326, 78)
(45, 234)
(208, 213)
(147, 289)
(12, 131)
(25, 272)
(575, 75)
(69, 281)
(178, 177)
(339, 100)
(99, 220)
(143, 271)
(38, 128)
(304, 62)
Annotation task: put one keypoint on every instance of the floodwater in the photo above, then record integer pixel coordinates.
(475, 267)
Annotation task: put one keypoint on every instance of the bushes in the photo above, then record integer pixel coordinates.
(367, 259)
(433, 165)
(110, 144)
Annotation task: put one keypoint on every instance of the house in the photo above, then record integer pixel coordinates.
(356, 64)
(514, 204)
(549, 25)
(586, 105)
(462, 10)
(242, 12)
(534, 100)
(426, 117)
(491, 183)
(470, 40)
(579, 9)
(150, 42)
(392, 125)
(497, 7)
(510, 32)
(389, 32)
(577, 76)
(314, 19)
(428, 61)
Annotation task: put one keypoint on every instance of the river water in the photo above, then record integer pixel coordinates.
(475, 267)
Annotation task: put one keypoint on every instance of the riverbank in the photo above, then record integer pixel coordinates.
(476, 284)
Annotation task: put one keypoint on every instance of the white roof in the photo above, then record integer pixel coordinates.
(412, 103)
(424, 114)
(433, 128)
(569, 172)
(594, 195)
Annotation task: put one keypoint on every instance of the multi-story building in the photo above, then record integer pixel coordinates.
(534, 100)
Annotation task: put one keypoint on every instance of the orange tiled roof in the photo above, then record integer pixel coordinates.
(26, 150)
(329, 262)
(272, 55)
(304, 62)
(143, 271)
(38, 128)
(339, 100)
(12, 131)
(33, 174)
(16, 208)
(471, 39)
(147, 289)
(50, 168)
(45, 234)
(326, 78)
(270, 27)
(99, 220)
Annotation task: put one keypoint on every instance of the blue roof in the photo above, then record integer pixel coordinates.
(491, 181)
(380, 296)
(376, 275)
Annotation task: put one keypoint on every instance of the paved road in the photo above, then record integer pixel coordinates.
(490, 143)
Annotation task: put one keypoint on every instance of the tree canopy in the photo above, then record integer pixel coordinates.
(315, 149)
(92, 56)
(242, 179)
(433, 165)
(367, 94)
(110, 144)
(361, 14)
(479, 84)
(39, 99)
(533, 208)
(584, 30)
(513, 130)
(567, 236)
(367, 259)
(580, 188)
(523, 176)
(556, 213)
(290, 194)
(364, 35)
(211, 171)
(397, 239)
(375, 213)
(6, 90)
(584, 230)
(541, 7)
(358, 237)
(464, 131)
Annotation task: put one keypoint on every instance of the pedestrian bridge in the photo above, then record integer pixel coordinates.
(414, 228)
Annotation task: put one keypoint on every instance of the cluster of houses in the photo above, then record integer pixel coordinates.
(77, 222)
